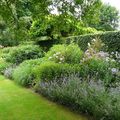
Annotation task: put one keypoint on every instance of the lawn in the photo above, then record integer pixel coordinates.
(17, 103)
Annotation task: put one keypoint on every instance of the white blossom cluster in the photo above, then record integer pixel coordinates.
(115, 55)
(58, 57)
(1, 46)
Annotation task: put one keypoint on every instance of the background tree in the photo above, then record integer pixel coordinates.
(109, 18)
(85, 10)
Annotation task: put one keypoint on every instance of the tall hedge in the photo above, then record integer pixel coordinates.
(111, 39)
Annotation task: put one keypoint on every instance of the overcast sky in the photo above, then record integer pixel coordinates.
(115, 3)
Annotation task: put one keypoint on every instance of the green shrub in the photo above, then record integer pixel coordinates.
(97, 68)
(48, 71)
(65, 54)
(5, 51)
(7, 38)
(9, 71)
(84, 30)
(3, 65)
(8, 42)
(49, 30)
(18, 54)
(46, 42)
(52, 26)
(111, 39)
(23, 74)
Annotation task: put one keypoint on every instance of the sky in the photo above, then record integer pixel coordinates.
(115, 3)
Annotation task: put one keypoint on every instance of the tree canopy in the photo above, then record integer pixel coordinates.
(109, 18)
(18, 15)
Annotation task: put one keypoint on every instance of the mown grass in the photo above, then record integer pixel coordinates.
(18, 103)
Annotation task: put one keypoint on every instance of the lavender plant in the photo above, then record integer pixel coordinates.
(89, 97)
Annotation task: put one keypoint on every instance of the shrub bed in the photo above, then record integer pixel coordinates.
(23, 74)
(89, 97)
(48, 71)
(3, 65)
(18, 54)
(71, 54)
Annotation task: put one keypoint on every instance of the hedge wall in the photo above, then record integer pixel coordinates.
(111, 39)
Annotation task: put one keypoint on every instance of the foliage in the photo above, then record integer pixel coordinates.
(110, 39)
(12, 13)
(54, 28)
(87, 81)
(81, 9)
(89, 97)
(65, 54)
(20, 53)
(109, 18)
(6, 37)
(23, 74)
(98, 63)
(3, 65)
(47, 71)
(9, 71)
(97, 68)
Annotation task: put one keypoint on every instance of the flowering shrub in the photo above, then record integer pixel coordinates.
(57, 57)
(99, 63)
(94, 50)
(65, 54)
(116, 56)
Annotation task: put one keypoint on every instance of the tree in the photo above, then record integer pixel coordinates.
(85, 10)
(109, 18)
(15, 13)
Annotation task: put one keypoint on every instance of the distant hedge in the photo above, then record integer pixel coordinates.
(111, 39)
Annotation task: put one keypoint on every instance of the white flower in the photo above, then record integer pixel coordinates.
(103, 54)
(112, 53)
(89, 44)
(50, 58)
(114, 70)
(54, 55)
(1, 46)
(61, 59)
(94, 40)
(57, 56)
(107, 59)
(113, 60)
(58, 53)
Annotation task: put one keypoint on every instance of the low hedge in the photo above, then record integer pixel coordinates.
(111, 39)
(8, 42)
(23, 74)
(3, 65)
(20, 53)
(49, 71)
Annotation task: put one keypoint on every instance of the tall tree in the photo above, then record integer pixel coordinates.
(85, 10)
